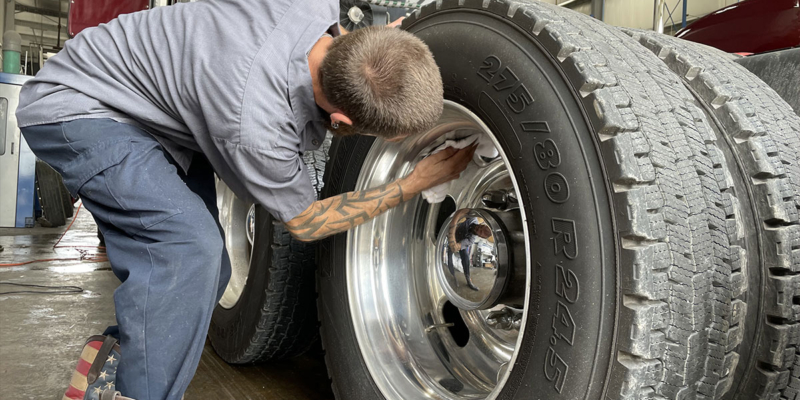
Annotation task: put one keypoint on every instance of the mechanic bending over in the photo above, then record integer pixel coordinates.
(138, 114)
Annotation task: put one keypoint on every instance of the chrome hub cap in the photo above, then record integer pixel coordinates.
(473, 259)
(426, 330)
(238, 221)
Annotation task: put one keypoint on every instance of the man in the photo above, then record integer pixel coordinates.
(461, 237)
(136, 114)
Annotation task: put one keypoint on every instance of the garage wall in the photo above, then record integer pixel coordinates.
(585, 7)
(639, 13)
(36, 29)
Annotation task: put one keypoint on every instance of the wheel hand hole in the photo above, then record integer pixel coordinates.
(459, 330)
(447, 208)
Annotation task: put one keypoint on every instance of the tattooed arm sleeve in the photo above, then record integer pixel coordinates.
(340, 213)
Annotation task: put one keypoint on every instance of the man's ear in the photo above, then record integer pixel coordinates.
(339, 117)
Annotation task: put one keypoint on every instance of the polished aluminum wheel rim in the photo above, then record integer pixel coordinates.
(394, 295)
(238, 221)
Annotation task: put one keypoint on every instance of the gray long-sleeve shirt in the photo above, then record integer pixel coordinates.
(228, 78)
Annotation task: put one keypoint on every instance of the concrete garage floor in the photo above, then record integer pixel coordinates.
(41, 334)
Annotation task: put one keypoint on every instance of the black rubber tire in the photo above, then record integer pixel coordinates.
(275, 316)
(48, 187)
(657, 247)
(66, 200)
(764, 133)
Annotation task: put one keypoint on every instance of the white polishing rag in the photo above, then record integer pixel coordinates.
(459, 139)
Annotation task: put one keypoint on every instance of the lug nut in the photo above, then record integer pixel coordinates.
(497, 199)
(507, 319)
(500, 199)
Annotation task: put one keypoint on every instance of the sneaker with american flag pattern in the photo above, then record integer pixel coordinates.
(96, 371)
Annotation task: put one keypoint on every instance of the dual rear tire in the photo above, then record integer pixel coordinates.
(658, 185)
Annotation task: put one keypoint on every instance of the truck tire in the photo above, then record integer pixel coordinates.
(66, 200)
(48, 188)
(271, 314)
(764, 133)
(634, 220)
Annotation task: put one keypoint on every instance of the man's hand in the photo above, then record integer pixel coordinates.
(396, 23)
(343, 212)
(439, 168)
(455, 247)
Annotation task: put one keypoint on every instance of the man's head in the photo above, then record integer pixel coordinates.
(481, 230)
(384, 80)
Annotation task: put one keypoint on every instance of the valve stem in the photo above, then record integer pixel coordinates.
(434, 326)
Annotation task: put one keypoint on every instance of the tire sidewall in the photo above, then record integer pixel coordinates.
(566, 350)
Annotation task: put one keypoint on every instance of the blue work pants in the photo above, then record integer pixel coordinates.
(163, 239)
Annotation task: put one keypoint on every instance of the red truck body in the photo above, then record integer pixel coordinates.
(88, 13)
(752, 26)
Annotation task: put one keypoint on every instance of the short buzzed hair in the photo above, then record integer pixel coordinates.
(385, 80)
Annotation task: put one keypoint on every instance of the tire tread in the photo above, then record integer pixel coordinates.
(677, 212)
(765, 133)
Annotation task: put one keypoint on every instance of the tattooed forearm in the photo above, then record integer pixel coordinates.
(345, 211)
(451, 232)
